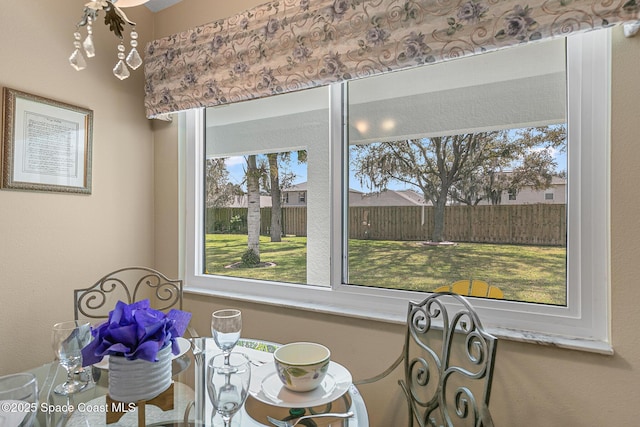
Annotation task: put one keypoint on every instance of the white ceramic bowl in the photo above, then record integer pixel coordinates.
(302, 366)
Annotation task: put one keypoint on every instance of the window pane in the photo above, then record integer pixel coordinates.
(256, 176)
(450, 174)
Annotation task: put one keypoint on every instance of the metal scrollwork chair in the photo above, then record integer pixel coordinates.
(128, 285)
(448, 364)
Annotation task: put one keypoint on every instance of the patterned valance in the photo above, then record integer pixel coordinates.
(289, 45)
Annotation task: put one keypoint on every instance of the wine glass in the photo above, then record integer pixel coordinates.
(68, 339)
(19, 399)
(226, 326)
(228, 378)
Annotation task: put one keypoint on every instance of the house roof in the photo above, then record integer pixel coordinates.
(555, 180)
(387, 198)
(296, 187)
(383, 198)
(303, 187)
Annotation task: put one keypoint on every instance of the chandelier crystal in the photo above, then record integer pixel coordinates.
(116, 20)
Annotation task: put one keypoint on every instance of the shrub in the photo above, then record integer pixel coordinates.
(235, 223)
(250, 258)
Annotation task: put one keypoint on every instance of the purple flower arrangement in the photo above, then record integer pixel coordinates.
(136, 331)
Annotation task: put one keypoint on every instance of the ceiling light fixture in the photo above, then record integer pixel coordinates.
(116, 19)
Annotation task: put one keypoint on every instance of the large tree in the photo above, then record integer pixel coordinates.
(220, 192)
(444, 166)
(278, 181)
(531, 164)
(266, 174)
(276, 198)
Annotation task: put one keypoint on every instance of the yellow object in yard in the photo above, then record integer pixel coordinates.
(473, 288)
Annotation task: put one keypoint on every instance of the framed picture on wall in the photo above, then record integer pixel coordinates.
(46, 144)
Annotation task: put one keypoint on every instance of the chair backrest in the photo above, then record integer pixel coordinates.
(448, 363)
(473, 288)
(128, 285)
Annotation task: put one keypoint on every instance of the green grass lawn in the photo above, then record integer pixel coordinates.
(524, 273)
(289, 257)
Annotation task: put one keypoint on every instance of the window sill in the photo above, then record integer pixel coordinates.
(328, 301)
(580, 344)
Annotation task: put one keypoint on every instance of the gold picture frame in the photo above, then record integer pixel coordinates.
(46, 144)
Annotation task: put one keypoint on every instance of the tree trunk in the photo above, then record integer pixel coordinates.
(438, 222)
(276, 206)
(253, 198)
(438, 214)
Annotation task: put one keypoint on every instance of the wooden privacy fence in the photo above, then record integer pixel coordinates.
(234, 220)
(539, 224)
(535, 224)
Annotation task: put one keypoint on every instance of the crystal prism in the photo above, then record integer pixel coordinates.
(133, 59)
(77, 60)
(89, 48)
(121, 71)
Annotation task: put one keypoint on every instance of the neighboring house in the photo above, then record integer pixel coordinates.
(296, 195)
(387, 198)
(556, 194)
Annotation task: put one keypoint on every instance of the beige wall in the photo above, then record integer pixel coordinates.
(51, 243)
(534, 385)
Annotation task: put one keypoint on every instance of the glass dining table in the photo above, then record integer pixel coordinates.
(191, 406)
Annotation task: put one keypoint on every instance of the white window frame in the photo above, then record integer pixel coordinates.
(583, 324)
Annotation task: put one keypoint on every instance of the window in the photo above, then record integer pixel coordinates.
(254, 153)
(579, 321)
(435, 161)
(548, 196)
